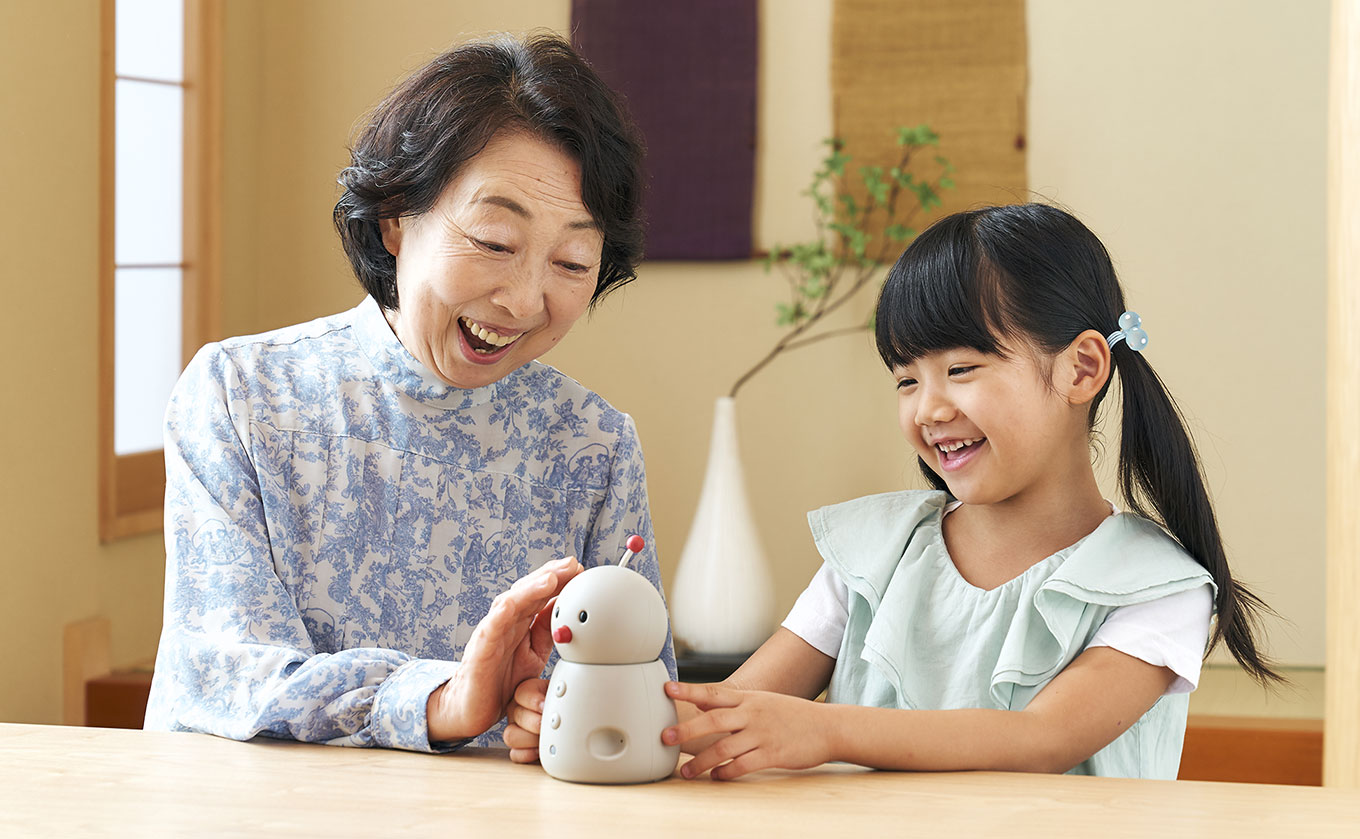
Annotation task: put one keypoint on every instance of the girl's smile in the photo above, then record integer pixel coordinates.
(954, 454)
(992, 426)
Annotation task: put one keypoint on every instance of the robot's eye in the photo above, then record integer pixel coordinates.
(557, 612)
(582, 617)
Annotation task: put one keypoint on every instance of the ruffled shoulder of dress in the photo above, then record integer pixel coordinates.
(864, 540)
(1127, 559)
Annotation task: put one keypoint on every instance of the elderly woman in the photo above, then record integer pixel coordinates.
(346, 497)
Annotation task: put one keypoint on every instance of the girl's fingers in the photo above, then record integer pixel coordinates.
(717, 721)
(705, 696)
(728, 748)
(747, 763)
(517, 738)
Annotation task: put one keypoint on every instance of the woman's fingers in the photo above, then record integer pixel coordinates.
(551, 577)
(513, 611)
(523, 745)
(540, 634)
(524, 755)
(530, 721)
(531, 593)
(525, 709)
(532, 693)
(493, 662)
(563, 570)
(516, 737)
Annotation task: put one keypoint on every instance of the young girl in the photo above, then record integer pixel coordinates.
(1013, 618)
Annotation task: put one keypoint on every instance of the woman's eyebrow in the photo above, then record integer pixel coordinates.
(520, 210)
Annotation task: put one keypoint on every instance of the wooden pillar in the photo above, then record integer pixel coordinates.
(85, 655)
(1342, 740)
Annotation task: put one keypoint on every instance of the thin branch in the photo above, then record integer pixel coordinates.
(861, 267)
(829, 334)
(790, 276)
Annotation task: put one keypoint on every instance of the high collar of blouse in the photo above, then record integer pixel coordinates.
(401, 370)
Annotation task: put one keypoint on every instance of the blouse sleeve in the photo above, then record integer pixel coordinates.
(821, 612)
(626, 512)
(1169, 632)
(235, 659)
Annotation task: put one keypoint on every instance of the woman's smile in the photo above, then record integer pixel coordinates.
(482, 344)
(498, 270)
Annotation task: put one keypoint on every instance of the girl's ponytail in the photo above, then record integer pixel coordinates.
(1158, 462)
(1035, 273)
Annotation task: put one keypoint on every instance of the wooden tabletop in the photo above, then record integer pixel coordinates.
(62, 781)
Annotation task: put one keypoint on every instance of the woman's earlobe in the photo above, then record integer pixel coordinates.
(391, 234)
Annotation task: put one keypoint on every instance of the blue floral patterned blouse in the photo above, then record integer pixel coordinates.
(338, 520)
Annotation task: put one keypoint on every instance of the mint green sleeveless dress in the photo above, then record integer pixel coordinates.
(920, 636)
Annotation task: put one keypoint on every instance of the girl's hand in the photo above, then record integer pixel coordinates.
(763, 731)
(524, 720)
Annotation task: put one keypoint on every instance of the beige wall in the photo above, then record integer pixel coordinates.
(1192, 137)
(51, 564)
(1194, 150)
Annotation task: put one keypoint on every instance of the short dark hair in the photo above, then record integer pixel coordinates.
(445, 113)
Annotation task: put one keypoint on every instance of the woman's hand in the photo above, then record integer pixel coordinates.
(525, 720)
(763, 731)
(511, 644)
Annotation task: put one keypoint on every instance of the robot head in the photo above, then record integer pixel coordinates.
(609, 615)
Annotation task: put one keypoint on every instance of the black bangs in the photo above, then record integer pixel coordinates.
(941, 294)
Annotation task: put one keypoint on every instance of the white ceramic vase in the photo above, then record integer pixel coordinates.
(722, 601)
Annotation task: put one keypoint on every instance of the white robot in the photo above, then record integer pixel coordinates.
(606, 705)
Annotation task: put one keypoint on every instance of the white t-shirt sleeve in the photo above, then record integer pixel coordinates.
(1170, 632)
(821, 611)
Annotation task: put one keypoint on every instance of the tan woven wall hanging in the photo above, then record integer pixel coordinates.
(958, 66)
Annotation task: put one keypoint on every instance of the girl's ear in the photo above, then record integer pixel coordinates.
(391, 234)
(1083, 368)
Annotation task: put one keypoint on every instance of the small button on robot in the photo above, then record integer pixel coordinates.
(560, 689)
(555, 720)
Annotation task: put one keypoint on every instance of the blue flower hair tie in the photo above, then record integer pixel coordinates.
(1130, 332)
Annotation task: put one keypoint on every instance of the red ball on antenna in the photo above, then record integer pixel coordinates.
(635, 543)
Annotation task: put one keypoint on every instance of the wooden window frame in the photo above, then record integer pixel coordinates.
(132, 486)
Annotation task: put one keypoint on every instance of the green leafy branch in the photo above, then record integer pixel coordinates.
(826, 272)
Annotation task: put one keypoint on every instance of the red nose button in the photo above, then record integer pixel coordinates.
(562, 634)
